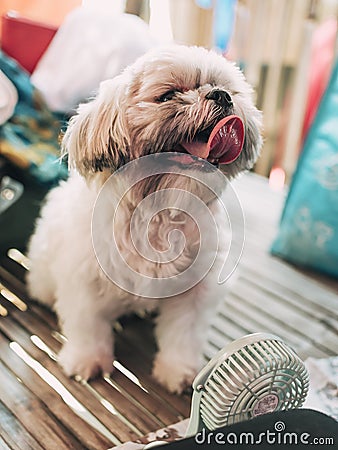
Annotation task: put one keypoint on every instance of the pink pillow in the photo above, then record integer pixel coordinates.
(320, 68)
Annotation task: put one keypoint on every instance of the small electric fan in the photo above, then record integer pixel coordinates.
(251, 376)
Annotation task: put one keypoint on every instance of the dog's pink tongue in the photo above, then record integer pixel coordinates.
(196, 148)
(225, 142)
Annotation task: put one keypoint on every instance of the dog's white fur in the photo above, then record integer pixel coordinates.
(129, 119)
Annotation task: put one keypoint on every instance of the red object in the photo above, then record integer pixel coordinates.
(25, 40)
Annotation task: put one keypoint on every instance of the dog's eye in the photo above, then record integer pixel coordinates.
(166, 97)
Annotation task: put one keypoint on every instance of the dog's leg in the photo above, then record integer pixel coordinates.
(181, 332)
(40, 282)
(87, 326)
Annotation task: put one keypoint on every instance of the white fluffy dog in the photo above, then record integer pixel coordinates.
(170, 100)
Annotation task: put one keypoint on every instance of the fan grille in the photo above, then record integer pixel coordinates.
(258, 378)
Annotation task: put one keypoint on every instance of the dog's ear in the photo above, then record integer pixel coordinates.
(96, 137)
(252, 145)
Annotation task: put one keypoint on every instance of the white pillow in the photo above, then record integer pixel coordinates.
(89, 47)
(8, 98)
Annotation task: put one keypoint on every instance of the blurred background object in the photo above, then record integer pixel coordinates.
(51, 13)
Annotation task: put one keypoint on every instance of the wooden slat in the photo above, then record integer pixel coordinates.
(179, 406)
(16, 331)
(10, 280)
(142, 350)
(161, 412)
(134, 410)
(13, 435)
(287, 279)
(275, 311)
(5, 446)
(14, 268)
(165, 411)
(58, 406)
(128, 355)
(314, 301)
(33, 414)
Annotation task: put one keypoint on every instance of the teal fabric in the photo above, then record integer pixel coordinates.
(30, 139)
(308, 233)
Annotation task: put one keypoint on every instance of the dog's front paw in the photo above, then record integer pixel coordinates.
(86, 362)
(173, 373)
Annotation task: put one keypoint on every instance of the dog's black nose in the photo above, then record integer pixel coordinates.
(222, 98)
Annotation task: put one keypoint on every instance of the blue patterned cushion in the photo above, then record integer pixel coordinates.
(308, 233)
(29, 139)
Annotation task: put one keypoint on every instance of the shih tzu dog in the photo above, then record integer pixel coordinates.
(195, 106)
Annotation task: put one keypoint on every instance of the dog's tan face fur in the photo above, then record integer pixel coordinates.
(158, 104)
